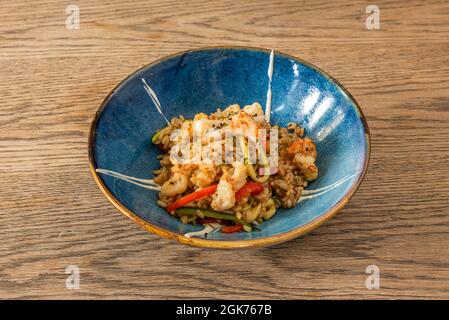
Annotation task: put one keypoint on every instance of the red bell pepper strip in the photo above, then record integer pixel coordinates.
(191, 197)
(250, 188)
(232, 229)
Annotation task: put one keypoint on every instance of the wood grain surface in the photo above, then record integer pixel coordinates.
(52, 214)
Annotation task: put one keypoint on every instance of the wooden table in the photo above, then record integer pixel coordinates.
(53, 215)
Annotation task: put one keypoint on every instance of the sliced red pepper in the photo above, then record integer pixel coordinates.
(191, 197)
(250, 188)
(206, 220)
(232, 229)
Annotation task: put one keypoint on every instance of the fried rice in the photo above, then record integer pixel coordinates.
(249, 193)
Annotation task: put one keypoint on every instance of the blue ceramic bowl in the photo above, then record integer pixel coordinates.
(203, 80)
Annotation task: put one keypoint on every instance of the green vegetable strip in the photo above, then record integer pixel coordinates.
(158, 133)
(211, 214)
(153, 139)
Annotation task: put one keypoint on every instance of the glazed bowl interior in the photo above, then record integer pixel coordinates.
(202, 81)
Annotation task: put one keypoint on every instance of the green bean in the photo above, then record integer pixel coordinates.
(212, 214)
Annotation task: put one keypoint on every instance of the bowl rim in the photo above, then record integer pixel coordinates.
(226, 244)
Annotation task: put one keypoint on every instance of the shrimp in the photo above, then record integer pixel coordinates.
(238, 178)
(177, 184)
(243, 121)
(232, 109)
(224, 197)
(304, 156)
(200, 116)
(201, 127)
(203, 175)
(254, 109)
(250, 127)
(306, 164)
(304, 146)
(184, 169)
